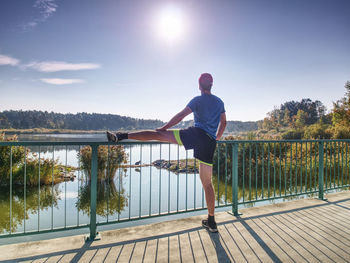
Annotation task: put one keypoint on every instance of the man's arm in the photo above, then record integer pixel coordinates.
(176, 119)
(222, 126)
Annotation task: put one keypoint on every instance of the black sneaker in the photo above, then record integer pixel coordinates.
(111, 137)
(211, 227)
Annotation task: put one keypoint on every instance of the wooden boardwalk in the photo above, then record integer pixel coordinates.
(307, 230)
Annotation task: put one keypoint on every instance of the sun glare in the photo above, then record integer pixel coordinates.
(170, 24)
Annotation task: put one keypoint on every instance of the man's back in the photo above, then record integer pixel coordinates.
(207, 109)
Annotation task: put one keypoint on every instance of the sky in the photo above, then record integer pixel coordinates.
(142, 58)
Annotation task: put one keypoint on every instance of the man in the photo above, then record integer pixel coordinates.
(209, 114)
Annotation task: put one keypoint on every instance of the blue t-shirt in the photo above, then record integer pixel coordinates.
(207, 109)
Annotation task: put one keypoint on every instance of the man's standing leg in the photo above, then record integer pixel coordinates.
(205, 173)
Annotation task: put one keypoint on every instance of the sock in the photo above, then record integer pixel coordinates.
(122, 136)
(211, 219)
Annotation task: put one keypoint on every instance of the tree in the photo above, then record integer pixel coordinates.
(341, 109)
(301, 119)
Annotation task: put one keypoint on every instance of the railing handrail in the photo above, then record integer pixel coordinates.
(81, 143)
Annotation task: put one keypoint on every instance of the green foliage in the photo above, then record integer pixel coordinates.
(38, 121)
(341, 109)
(294, 114)
(108, 159)
(300, 119)
(24, 162)
(293, 135)
(340, 132)
(317, 131)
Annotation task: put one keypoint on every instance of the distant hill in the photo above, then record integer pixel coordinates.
(94, 121)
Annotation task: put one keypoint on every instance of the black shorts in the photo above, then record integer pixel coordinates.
(197, 139)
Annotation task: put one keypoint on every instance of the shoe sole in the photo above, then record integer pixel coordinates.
(111, 137)
(210, 229)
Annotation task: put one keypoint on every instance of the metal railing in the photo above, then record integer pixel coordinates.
(244, 172)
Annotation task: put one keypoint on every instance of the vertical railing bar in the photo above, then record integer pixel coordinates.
(268, 170)
(218, 174)
(301, 167)
(320, 170)
(195, 183)
(330, 163)
(140, 193)
(342, 164)
(311, 166)
(250, 171)
(338, 163)
(187, 178)
(306, 171)
(285, 168)
(235, 179)
(326, 167)
(280, 170)
(150, 180)
(243, 170)
(225, 173)
(296, 168)
(52, 183)
(79, 164)
(256, 171)
(346, 163)
(25, 187)
(39, 192)
(119, 187)
(169, 183)
(129, 181)
(109, 176)
(290, 167)
(177, 178)
(315, 165)
(334, 160)
(10, 189)
(93, 190)
(160, 180)
(274, 169)
(65, 191)
(262, 170)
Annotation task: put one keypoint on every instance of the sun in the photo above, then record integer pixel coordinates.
(170, 24)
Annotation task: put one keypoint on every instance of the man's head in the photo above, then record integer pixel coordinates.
(205, 82)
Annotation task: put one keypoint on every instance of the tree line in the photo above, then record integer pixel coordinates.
(308, 119)
(93, 121)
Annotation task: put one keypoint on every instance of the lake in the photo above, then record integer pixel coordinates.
(133, 192)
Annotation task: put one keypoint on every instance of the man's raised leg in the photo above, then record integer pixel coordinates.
(163, 136)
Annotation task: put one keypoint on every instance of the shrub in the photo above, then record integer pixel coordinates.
(317, 131)
(293, 135)
(108, 159)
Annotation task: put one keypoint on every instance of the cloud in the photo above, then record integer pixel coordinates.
(62, 81)
(54, 66)
(46, 9)
(7, 60)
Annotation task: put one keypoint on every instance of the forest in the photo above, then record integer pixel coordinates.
(307, 119)
(93, 121)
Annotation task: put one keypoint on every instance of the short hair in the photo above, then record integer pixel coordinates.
(206, 81)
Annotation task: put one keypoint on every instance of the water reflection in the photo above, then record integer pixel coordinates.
(25, 205)
(110, 201)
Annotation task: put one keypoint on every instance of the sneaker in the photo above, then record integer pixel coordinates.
(211, 227)
(111, 137)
